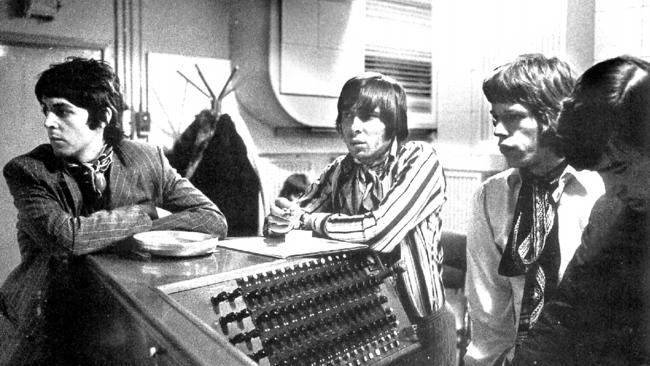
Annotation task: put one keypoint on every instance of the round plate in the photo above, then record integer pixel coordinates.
(171, 243)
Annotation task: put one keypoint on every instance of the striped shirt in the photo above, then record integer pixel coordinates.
(408, 216)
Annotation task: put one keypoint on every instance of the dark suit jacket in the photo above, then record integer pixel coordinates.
(52, 230)
(599, 315)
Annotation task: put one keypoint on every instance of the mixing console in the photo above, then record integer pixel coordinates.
(339, 309)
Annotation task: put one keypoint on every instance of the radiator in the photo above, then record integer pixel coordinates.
(460, 188)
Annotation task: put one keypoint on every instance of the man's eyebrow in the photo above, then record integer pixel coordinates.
(510, 113)
(61, 105)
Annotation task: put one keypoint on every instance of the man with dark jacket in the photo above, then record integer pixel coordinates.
(87, 190)
(600, 312)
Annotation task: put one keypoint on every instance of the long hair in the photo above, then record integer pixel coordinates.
(610, 103)
(89, 84)
(362, 94)
(538, 83)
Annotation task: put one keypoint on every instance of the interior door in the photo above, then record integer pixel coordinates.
(21, 122)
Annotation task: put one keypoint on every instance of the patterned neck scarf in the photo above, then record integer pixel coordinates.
(361, 186)
(533, 246)
(91, 176)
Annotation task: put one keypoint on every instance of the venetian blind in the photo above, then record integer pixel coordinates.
(398, 43)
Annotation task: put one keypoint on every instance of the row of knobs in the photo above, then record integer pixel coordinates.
(226, 296)
(317, 331)
(303, 308)
(370, 339)
(288, 289)
(321, 301)
(294, 310)
(365, 353)
(311, 280)
(233, 317)
(245, 336)
(305, 292)
(332, 264)
(355, 357)
(308, 308)
(326, 329)
(344, 326)
(332, 276)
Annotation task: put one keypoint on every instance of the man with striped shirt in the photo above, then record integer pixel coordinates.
(386, 193)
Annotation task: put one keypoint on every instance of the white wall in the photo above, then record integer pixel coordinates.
(622, 27)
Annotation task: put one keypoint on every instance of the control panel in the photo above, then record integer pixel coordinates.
(338, 309)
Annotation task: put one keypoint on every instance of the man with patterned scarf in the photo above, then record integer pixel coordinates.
(88, 189)
(388, 194)
(526, 221)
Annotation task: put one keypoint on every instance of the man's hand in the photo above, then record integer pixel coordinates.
(154, 212)
(161, 212)
(284, 217)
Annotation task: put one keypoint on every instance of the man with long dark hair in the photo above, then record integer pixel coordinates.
(86, 190)
(386, 193)
(600, 313)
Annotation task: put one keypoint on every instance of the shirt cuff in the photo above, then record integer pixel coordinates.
(316, 222)
(149, 210)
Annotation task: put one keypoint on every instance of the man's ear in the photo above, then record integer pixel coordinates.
(106, 116)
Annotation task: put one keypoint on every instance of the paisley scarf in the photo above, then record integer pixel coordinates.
(533, 244)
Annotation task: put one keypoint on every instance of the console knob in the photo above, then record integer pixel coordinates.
(234, 294)
(222, 296)
(243, 314)
(259, 355)
(224, 320)
(254, 333)
(241, 337)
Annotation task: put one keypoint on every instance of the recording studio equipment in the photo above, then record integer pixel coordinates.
(338, 309)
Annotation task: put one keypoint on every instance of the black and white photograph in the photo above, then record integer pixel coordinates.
(325, 182)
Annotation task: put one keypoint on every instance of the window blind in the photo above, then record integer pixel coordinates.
(398, 44)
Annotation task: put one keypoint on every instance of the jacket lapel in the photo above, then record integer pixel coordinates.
(118, 183)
